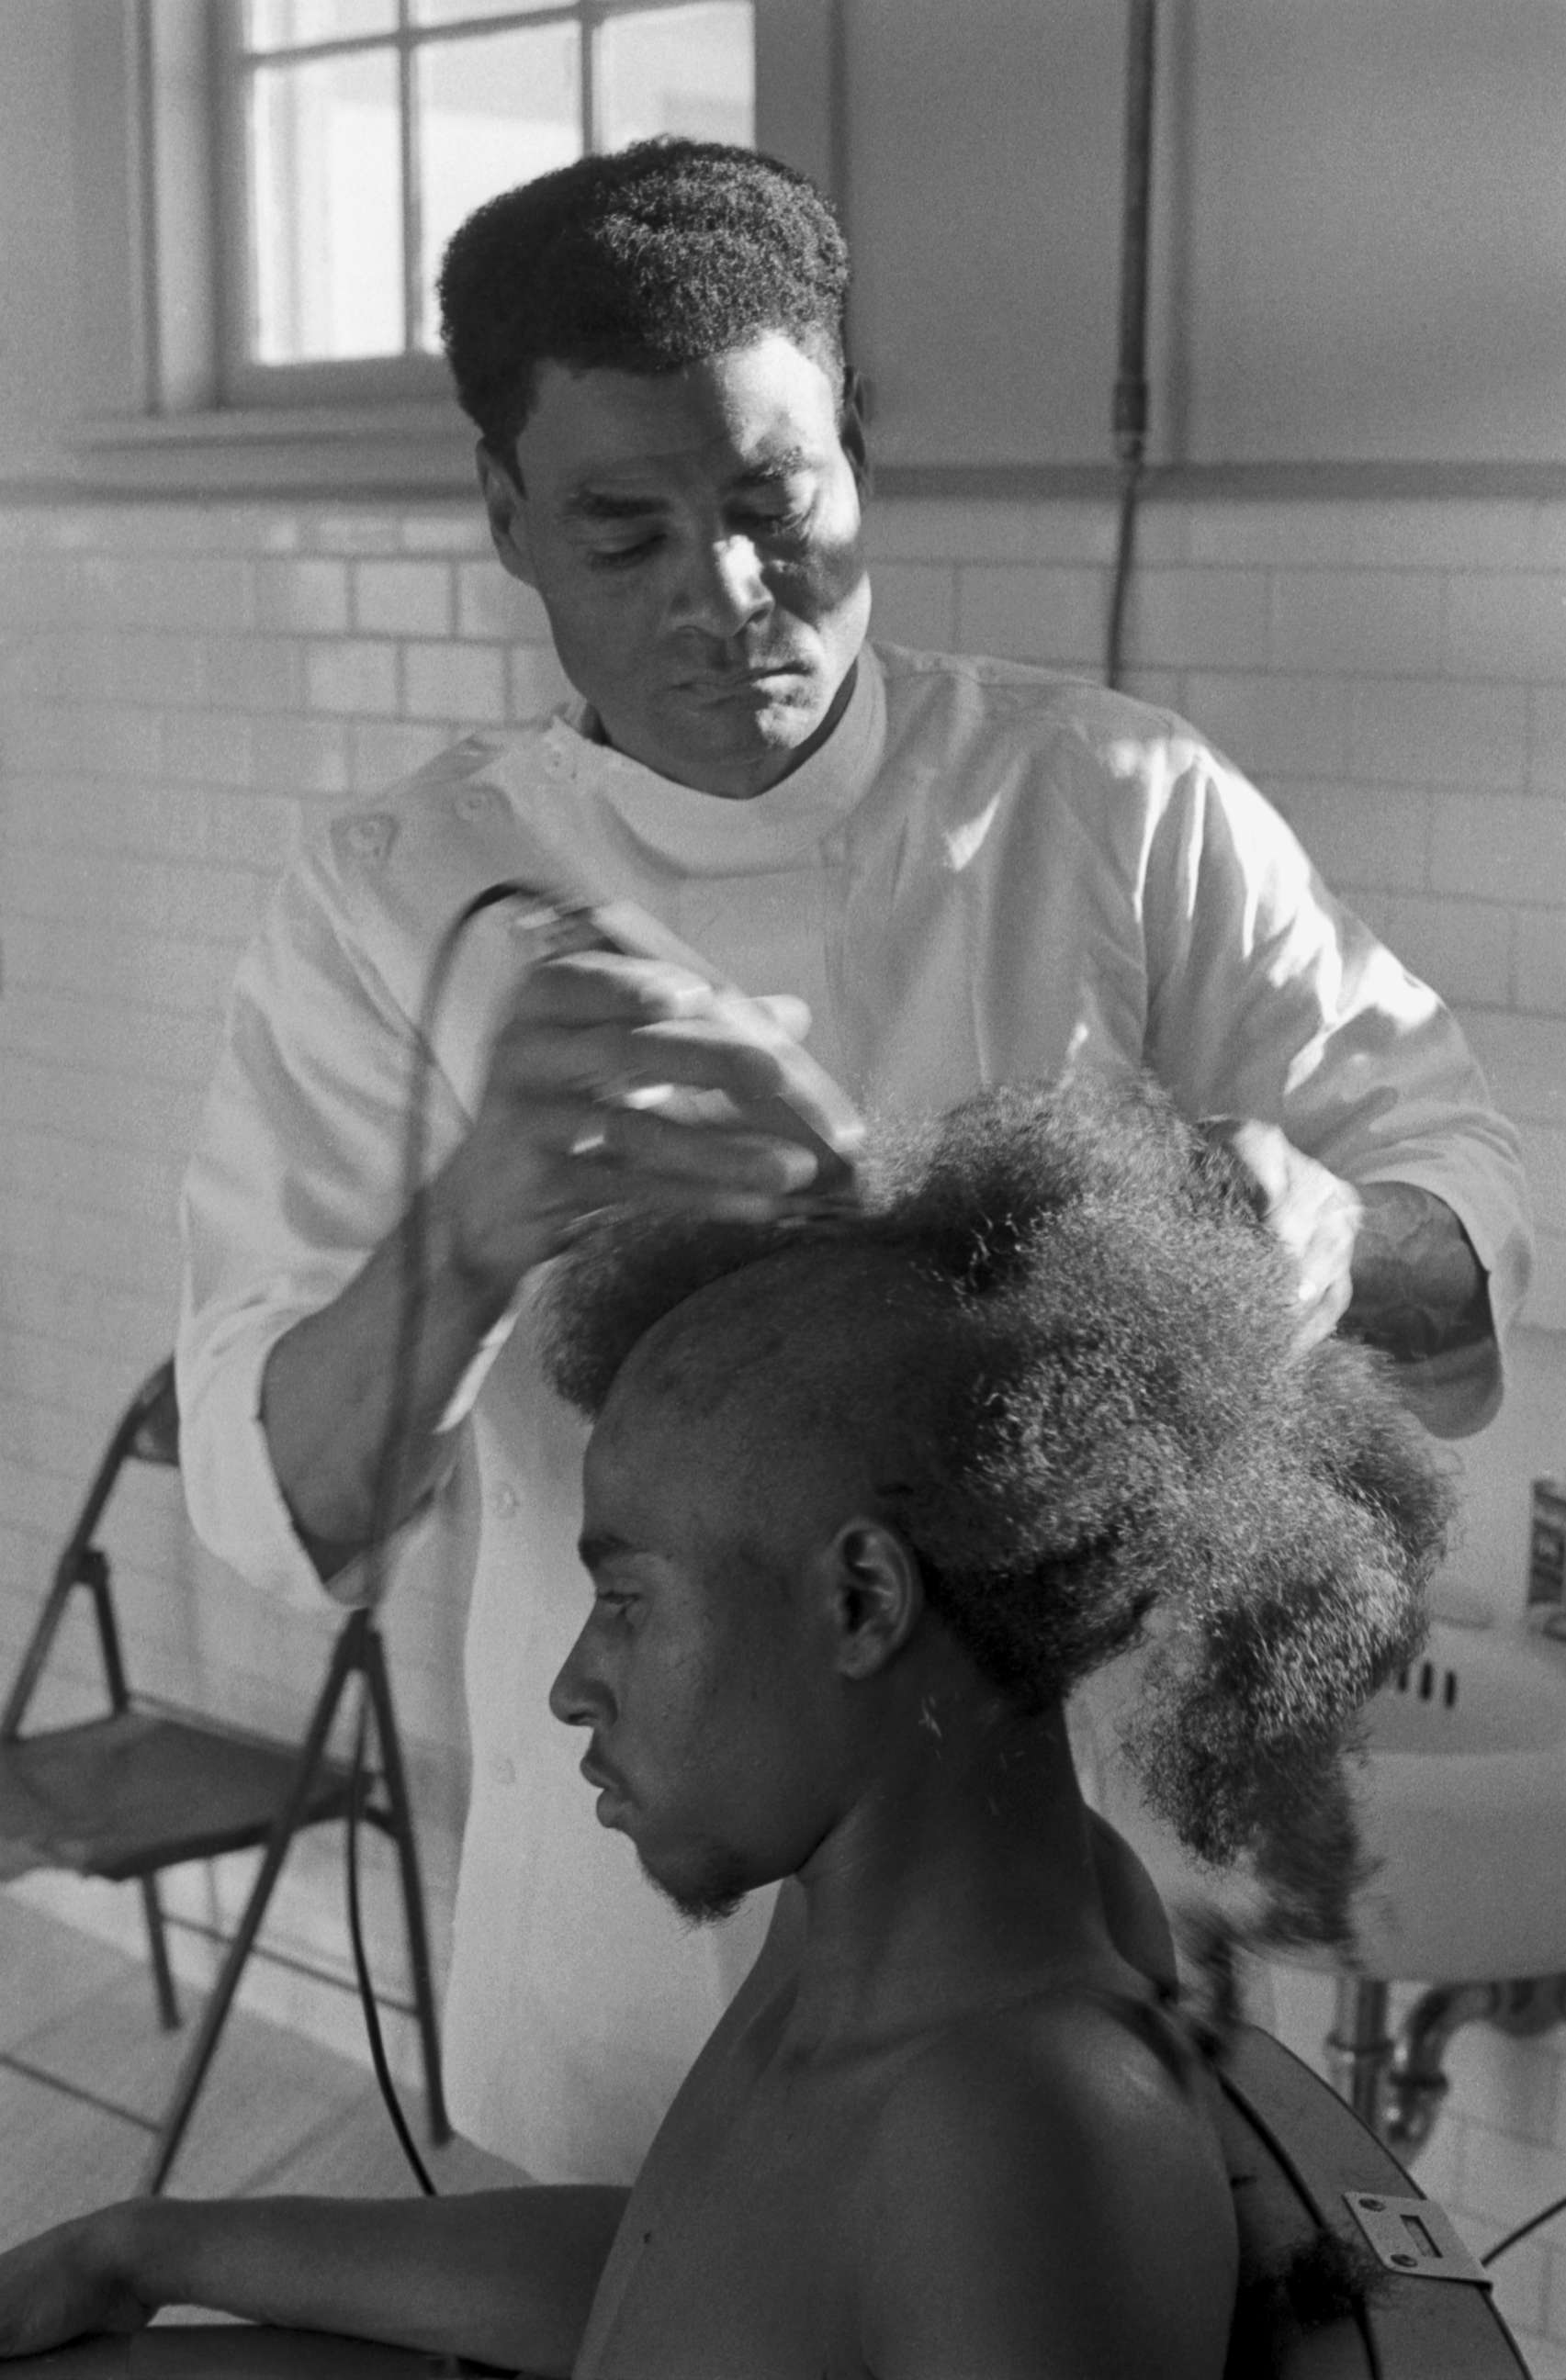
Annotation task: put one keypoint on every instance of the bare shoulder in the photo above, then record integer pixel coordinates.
(1044, 2194)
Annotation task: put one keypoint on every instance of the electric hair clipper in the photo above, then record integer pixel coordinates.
(813, 1110)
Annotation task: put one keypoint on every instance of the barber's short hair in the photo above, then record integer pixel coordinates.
(645, 259)
(1066, 1349)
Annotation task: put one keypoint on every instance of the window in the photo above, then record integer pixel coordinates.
(263, 186)
(362, 132)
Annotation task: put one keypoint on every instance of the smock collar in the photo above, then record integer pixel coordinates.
(702, 833)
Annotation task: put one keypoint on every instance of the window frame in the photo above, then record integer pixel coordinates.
(166, 411)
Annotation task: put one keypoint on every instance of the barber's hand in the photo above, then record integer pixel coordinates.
(1315, 1215)
(66, 2283)
(617, 1080)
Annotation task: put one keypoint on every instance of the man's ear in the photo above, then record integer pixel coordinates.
(876, 1597)
(502, 495)
(850, 425)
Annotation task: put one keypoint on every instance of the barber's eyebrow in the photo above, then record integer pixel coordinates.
(599, 505)
(589, 504)
(773, 467)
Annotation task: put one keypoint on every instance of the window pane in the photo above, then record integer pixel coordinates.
(492, 112)
(326, 168)
(451, 12)
(690, 70)
(279, 24)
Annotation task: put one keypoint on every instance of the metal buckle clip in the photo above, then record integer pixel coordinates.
(1415, 2237)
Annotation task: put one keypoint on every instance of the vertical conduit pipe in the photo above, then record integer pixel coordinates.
(1130, 412)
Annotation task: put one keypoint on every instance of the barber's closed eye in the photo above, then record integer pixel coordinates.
(615, 557)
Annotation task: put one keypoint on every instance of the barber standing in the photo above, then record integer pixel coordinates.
(943, 872)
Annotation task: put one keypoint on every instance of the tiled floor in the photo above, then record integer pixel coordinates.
(84, 2068)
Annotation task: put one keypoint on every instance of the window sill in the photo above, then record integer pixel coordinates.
(414, 448)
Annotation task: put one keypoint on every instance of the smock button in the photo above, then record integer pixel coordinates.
(371, 837)
(506, 1502)
(503, 1771)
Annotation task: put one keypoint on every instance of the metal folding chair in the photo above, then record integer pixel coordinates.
(146, 1787)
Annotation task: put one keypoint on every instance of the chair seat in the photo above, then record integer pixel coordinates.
(124, 1795)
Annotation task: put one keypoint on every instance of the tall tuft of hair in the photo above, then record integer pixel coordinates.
(645, 259)
(1067, 1348)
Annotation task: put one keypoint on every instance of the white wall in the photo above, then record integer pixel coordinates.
(1359, 213)
(41, 325)
(1375, 222)
(983, 206)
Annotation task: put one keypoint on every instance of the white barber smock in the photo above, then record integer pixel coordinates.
(985, 875)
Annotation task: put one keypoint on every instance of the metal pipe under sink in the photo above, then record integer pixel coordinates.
(1359, 2048)
(1396, 2083)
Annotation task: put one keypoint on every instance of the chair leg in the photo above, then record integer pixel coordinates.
(400, 1826)
(348, 1657)
(157, 1943)
(193, 2074)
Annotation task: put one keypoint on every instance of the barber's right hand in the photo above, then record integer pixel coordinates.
(66, 2283)
(616, 1080)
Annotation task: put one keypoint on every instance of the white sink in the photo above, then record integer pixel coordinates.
(1463, 1801)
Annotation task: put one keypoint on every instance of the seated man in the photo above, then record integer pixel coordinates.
(865, 1498)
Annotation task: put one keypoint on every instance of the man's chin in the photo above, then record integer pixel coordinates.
(741, 747)
(701, 1900)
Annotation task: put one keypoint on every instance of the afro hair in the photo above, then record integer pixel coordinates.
(646, 259)
(1069, 1351)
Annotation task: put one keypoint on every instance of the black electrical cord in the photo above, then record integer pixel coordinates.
(360, 1957)
(1556, 2206)
(1119, 589)
(394, 1448)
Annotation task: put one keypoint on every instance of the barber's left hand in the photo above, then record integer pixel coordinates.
(1314, 1214)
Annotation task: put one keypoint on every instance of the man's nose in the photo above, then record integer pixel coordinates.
(722, 589)
(575, 1698)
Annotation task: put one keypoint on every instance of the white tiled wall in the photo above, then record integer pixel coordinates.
(183, 690)
(184, 687)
